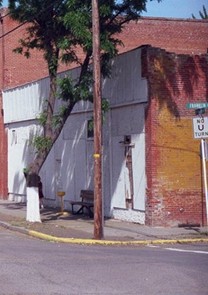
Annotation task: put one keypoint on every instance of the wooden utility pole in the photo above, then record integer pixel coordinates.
(98, 218)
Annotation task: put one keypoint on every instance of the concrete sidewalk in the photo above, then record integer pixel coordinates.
(79, 229)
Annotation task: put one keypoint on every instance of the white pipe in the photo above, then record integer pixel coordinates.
(204, 175)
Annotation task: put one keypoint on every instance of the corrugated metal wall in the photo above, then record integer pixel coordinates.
(70, 162)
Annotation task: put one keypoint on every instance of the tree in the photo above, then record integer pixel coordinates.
(203, 14)
(56, 28)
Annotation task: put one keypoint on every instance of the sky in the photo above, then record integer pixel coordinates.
(171, 8)
(175, 8)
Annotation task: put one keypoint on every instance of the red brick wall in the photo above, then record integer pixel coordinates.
(186, 36)
(17, 69)
(174, 180)
(174, 35)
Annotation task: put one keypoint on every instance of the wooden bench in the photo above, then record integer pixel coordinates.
(86, 202)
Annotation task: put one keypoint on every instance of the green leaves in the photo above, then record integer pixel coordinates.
(60, 28)
(203, 14)
(75, 90)
(42, 144)
(79, 23)
(66, 89)
(42, 119)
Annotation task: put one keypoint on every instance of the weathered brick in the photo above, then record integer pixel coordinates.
(175, 194)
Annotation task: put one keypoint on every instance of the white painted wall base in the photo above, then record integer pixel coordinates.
(129, 215)
(17, 198)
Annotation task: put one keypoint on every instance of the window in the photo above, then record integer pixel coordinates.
(90, 129)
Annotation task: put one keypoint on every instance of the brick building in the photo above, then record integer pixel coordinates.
(176, 69)
(182, 36)
(175, 193)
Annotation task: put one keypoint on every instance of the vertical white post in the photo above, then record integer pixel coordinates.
(204, 175)
(33, 210)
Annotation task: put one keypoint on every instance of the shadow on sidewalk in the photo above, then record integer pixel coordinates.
(14, 206)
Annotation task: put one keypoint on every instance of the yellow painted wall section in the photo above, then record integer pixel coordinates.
(178, 162)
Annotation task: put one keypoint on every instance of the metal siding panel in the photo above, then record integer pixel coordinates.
(49, 173)
(68, 167)
(126, 84)
(128, 121)
(118, 193)
(80, 176)
(71, 144)
(16, 102)
(20, 154)
(90, 164)
(139, 175)
(76, 127)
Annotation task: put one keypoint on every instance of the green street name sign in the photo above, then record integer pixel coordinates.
(197, 105)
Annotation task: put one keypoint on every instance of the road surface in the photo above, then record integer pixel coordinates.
(30, 266)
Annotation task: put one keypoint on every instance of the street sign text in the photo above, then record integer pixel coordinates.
(197, 105)
(200, 127)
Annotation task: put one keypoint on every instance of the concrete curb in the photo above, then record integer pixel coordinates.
(80, 241)
(114, 243)
(19, 229)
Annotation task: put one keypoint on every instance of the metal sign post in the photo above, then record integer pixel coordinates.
(200, 131)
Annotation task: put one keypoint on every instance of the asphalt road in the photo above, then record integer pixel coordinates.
(31, 266)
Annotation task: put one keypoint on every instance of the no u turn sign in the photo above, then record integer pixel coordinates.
(200, 127)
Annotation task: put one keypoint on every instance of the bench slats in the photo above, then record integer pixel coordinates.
(87, 195)
(87, 202)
